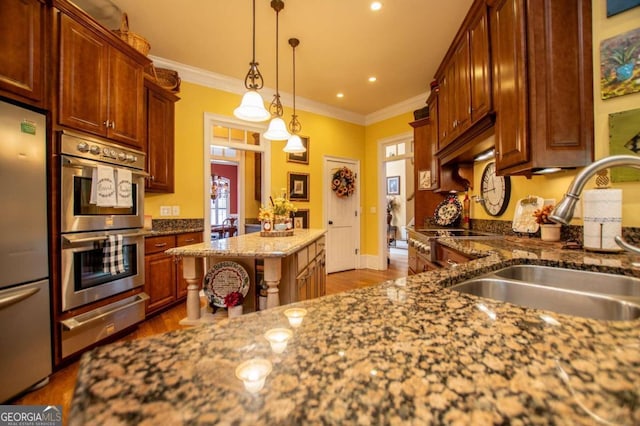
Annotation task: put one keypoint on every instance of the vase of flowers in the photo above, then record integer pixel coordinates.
(549, 230)
(277, 216)
(233, 302)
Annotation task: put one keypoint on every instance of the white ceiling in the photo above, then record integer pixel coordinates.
(342, 43)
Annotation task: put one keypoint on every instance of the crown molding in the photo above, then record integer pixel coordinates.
(225, 83)
(394, 110)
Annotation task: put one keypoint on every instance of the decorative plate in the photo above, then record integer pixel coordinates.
(448, 211)
(224, 278)
(523, 219)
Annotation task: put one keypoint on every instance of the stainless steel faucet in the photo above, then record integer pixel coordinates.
(564, 210)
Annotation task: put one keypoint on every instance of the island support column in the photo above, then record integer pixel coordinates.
(272, 275)
(191, 269)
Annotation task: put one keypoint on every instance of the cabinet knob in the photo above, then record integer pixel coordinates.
(330, 222)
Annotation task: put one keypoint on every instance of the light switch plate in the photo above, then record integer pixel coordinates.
(165, 210)
(175, 211)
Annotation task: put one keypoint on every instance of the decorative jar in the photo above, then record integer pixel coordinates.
(550, 231)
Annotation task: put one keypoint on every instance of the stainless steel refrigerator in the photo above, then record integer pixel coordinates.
(25, 317)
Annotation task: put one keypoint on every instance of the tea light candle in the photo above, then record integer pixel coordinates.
(253, 373)
(295, 316)
(278, 338)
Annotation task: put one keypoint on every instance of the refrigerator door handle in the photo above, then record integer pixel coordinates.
(16, 297)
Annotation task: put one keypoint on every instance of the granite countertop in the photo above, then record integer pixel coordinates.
(406, 351)
(164, 232)
(251, 245)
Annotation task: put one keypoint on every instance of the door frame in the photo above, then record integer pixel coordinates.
(210, 120)
(326, 190)
(381, 260)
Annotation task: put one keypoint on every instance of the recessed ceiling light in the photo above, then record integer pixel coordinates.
(376, 5)
(372, 79)
(340, 95)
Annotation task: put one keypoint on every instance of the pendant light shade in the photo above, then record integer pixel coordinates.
(252, 106)
(277, 130)
(294, 144)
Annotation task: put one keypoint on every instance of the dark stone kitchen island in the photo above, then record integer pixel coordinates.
(406, 351)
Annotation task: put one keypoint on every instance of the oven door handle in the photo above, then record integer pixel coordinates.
(72, 240)
(79, 163)
(73, 323)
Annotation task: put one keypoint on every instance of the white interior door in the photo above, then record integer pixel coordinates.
(343, 236)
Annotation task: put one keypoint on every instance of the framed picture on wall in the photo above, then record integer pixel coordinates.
(300, 157)
(298, 186)
(393, 185)
(618, 6)
(301, 219)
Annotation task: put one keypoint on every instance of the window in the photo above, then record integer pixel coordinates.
(219, 199)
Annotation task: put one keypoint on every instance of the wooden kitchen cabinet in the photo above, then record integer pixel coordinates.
(311, 282)
(164, 282)
(448, 257)
(22, 43)
(465, 95)
(542, 84)
(101, 81)
(428, 168)
(159, 124)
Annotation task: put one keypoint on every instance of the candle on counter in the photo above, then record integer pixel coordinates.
(253, 373)
(278, 338)
(295, 316)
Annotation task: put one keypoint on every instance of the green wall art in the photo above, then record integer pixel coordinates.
(624, 138)
(620, 64)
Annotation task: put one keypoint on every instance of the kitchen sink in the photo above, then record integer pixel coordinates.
(573, 279)
(566, 291)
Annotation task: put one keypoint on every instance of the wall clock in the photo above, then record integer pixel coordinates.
(495, 190)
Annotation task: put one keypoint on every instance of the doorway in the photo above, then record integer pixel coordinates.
(342, 217)
(237, 175)
(396, 195)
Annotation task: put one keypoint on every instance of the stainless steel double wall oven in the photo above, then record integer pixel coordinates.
(85, 232)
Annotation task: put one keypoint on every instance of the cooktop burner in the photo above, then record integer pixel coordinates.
(457, 233)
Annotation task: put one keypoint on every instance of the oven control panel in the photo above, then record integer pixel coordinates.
(94, 149)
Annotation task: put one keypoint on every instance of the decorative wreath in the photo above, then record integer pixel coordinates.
(344, 182)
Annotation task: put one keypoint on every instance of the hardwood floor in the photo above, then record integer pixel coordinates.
(59, 391)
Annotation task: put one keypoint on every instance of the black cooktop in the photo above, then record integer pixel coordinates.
(456, 233)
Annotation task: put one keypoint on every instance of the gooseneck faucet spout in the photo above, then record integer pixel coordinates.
(564, 210)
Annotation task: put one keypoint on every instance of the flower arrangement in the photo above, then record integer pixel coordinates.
(343, 182)
(235, 298)
(542, 215)
(280, 207)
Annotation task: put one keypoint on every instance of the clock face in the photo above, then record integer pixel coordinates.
(496, 190)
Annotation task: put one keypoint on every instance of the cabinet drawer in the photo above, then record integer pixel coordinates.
(448, 256)
(159, 244)
(188, 239)
(312, 250)
(303, 258)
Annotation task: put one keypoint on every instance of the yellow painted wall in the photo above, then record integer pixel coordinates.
(328, 136)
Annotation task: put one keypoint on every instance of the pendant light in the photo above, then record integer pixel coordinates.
(277, 130)
(294, 144)
(252, 106)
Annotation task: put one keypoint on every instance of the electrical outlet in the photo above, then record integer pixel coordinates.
(175, 211)
(165, 210)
